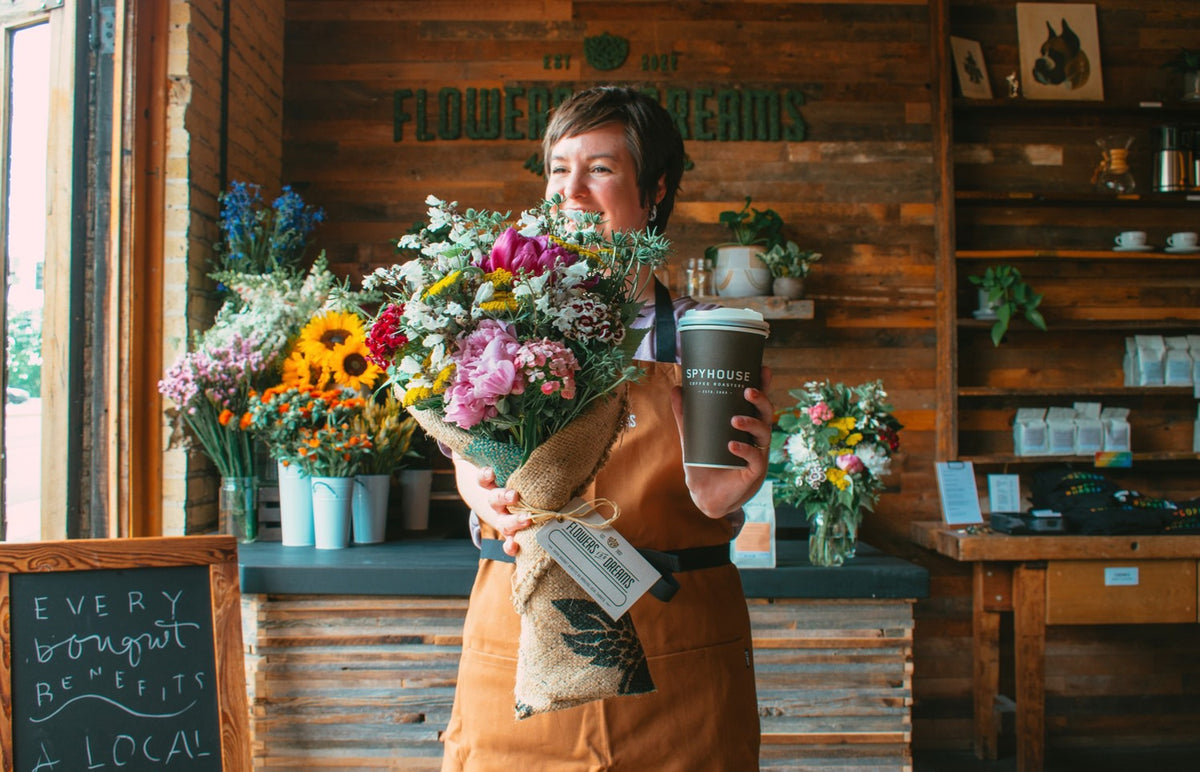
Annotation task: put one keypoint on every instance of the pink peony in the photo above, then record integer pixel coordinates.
(486, 373)
(517, 254)
(820, 413)
(850, 463)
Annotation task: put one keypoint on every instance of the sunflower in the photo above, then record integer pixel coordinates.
(328, 331)
(350, 365)
(300, 370)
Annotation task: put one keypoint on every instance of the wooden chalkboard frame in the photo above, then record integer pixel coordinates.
(219, 553)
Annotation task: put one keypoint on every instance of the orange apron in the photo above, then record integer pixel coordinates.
(704, 712)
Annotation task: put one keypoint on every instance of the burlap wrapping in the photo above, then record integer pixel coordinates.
(570, 651)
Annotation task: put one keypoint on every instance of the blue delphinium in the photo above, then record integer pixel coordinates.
(257, 239)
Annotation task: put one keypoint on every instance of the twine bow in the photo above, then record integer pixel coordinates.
(575, 514)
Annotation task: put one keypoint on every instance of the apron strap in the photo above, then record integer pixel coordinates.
(664, 324)
(666, 563)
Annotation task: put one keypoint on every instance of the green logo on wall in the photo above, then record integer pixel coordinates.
(605, 51)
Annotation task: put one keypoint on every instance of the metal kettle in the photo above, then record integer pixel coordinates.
(1171, 164)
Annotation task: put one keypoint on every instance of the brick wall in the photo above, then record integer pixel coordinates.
(251, 139)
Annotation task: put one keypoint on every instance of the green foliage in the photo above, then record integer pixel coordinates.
(1009, 295)
(754, 226)
(789, 260)
(1187, 60)
(25, 351)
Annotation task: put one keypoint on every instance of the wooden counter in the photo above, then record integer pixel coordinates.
(352, 654)
(1057, 580)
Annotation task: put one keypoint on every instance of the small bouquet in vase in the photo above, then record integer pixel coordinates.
(511, 344)
(835, 445)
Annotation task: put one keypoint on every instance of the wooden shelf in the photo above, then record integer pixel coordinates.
(1033, 253)
(1036, 108)
(1081, 199)
(770, 306)
(1002, 458)
(1077, 391)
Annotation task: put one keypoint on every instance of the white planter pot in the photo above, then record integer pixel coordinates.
(295, 506)
(332, 505)
(370, 507)
(740, 272)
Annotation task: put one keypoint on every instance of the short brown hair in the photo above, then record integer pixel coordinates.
(650, 133)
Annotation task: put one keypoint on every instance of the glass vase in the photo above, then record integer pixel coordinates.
(832, 538)
(238, 508)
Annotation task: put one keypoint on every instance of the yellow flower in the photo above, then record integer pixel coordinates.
(500, 302)
(443, 379)
(443, 284)
(838, 477)
(350, 366)
(417, 394)
(853, 439)
(327, 331)
(500, 278)
(300, 371)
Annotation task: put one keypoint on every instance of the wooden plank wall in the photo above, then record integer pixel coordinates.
(859, 189)
(367, 682)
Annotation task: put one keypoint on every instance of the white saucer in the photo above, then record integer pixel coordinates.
(1183, 250)
(1142, 248)
(978, 314)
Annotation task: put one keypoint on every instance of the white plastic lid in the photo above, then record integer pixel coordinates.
(734, 319)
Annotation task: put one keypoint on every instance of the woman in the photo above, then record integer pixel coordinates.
(617, 152)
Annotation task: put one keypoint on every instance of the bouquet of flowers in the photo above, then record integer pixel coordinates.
(835, 445)
(511, 343)
(260, 240)
(211, 385)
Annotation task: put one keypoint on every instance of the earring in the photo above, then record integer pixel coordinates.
(653, 212)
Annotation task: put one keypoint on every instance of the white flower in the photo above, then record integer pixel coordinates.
(798, 450)
(874, 457)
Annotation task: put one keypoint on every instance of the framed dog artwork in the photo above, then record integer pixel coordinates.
(1059, 50)
(969, 68)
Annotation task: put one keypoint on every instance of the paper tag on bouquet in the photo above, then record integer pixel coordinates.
(605, 565)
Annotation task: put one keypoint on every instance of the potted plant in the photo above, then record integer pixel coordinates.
(1002, 295)
(738, 267)
(1187, 62)
(789, 264)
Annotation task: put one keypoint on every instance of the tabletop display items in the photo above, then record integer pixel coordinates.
(829, 456)
(512, 346)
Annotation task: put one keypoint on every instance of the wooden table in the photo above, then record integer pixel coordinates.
(1057, 580)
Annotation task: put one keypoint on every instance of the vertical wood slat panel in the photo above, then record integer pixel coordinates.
(368, 682)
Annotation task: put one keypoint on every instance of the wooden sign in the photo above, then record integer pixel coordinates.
(122, 653)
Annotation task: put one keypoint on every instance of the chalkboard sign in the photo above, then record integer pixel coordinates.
(122, 653)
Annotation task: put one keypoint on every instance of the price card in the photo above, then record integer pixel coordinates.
(959, 496)
(605, 565)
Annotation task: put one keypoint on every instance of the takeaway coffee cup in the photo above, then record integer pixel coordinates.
(1131, 239)
(721, 352)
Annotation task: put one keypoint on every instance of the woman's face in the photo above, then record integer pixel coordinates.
(595, 172)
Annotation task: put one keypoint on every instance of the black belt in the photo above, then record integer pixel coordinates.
(666, 563)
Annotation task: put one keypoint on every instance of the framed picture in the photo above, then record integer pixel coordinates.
(1059, 50)
(969, 67)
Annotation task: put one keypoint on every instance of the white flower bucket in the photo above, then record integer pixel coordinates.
(415, 486)
(332, 499)
(370, 507)
(295, 506)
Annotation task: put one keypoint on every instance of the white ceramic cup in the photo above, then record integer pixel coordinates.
(1182, 240)
(1131, 239)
